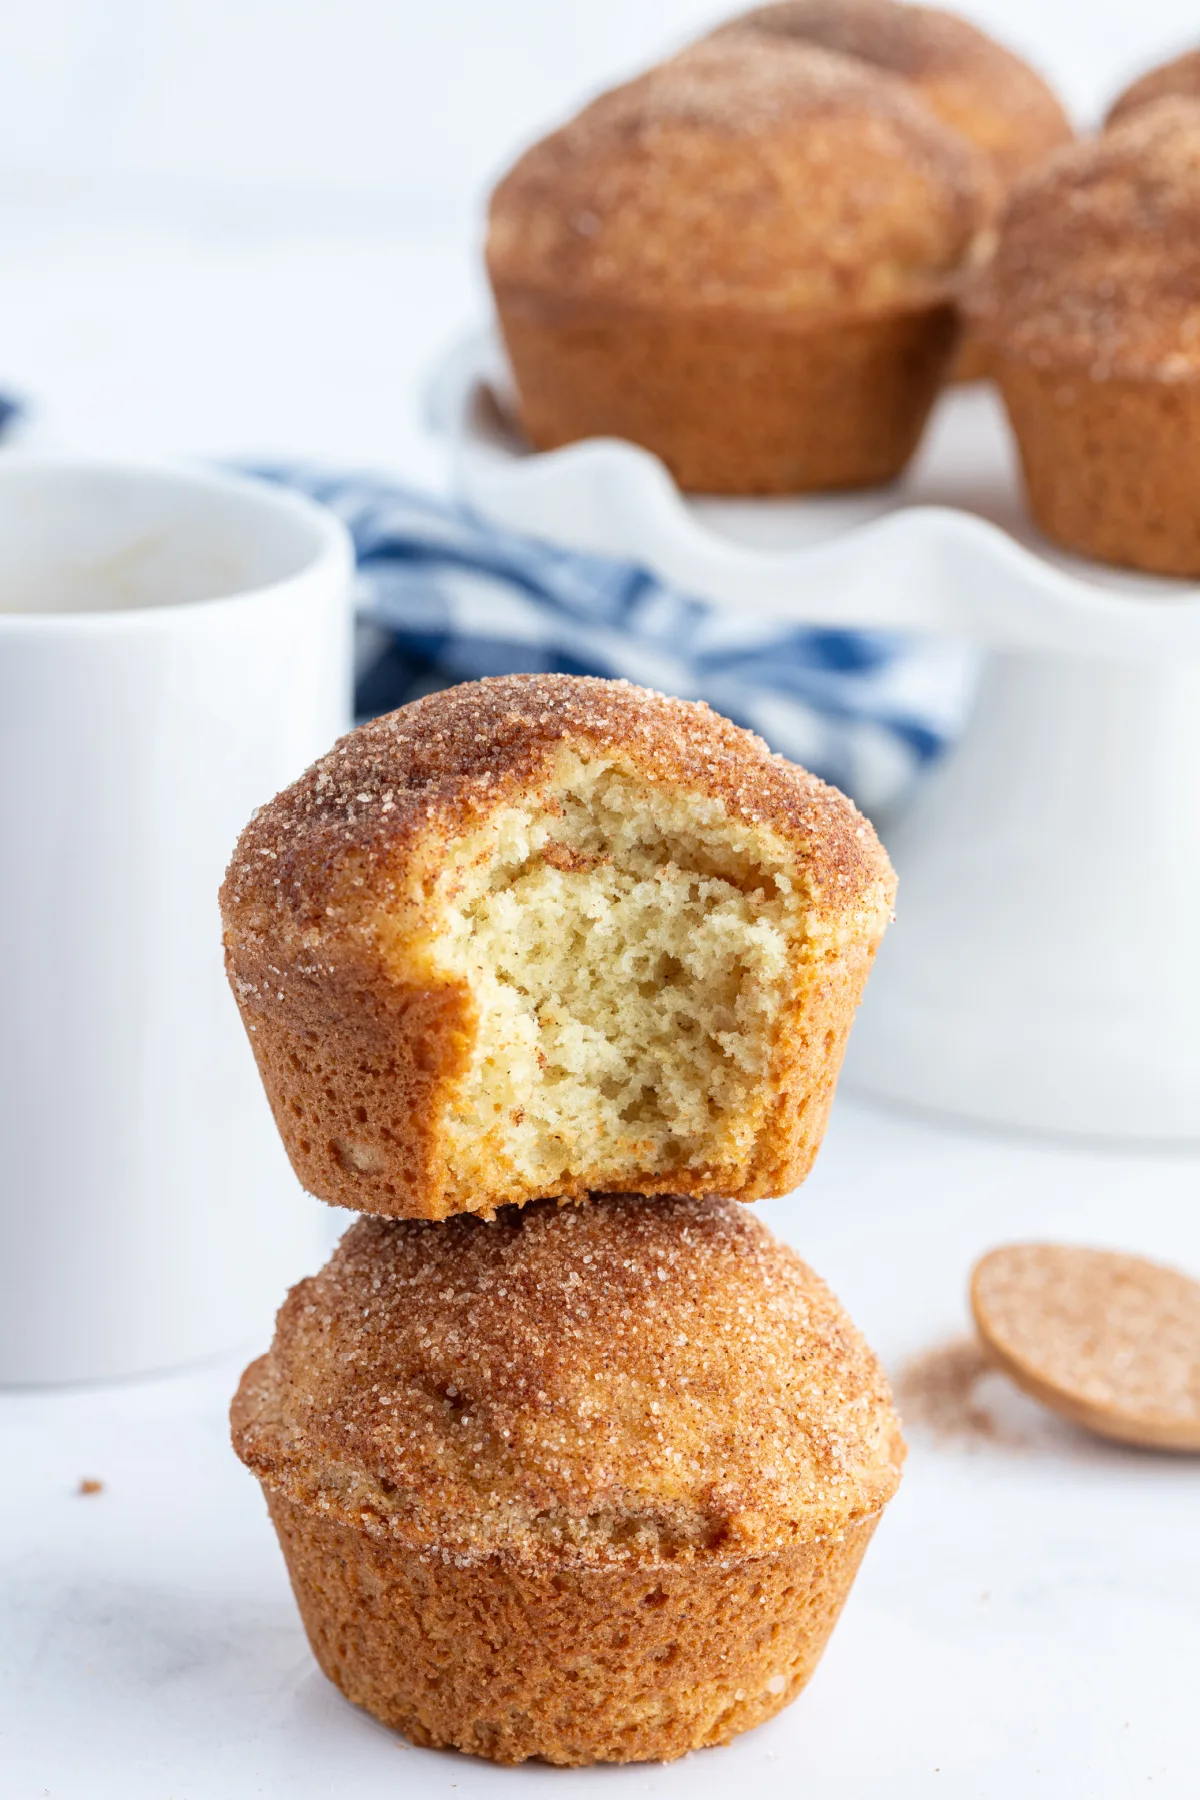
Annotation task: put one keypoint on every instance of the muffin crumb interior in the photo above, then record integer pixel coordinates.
(627, 948)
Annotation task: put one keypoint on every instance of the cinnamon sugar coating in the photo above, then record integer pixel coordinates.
(1177, 79)
(968, 80)
(744, 261)
(435, 768)
(1098, 264)
(628, 1382)
(741, 174)
(1090, 314)
(543, 935)
(586, 1484)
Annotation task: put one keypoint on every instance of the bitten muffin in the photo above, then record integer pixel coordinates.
(744, 261)
(586, 1484)
(968, 80)
(1091, 311)
(1178, 79)
(542, 935)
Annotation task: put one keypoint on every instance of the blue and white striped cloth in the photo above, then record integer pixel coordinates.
(445, 597)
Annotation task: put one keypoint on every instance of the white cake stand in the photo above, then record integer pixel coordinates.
(1044, 969)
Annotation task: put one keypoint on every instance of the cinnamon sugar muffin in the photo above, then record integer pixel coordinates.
(1091, 310)
(585, 1484)
(1178, 79)
(972, 83)
(745, 260)
(543, 935)
(968, 80)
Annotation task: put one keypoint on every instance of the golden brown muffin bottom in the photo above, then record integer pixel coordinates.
(571, 1665)
(732, 404)
(973, 361)
(1112, 465)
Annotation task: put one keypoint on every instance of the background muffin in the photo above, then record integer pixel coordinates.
(744, 260)
(1177, 79)
(584, 1484)
(1091, 310)
(968, 80)
(543, 935)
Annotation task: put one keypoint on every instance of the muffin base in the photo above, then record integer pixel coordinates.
(1112, 465)
(972, 361)
(733, 405)
(573, 1665)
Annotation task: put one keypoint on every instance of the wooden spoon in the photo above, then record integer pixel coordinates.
(1110, 1341)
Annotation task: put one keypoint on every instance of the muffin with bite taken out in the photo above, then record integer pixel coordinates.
(547, 935)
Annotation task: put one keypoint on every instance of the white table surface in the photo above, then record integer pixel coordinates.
(1026, 1623)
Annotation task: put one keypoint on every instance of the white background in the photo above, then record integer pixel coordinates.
(411, 102)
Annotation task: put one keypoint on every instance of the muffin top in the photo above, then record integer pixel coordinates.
(744, 174)
(368, 825)
(971, 82)
(1179, 79)
(1098, 263)
(633, 1380)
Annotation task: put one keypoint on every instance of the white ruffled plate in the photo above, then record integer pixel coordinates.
(949, 548)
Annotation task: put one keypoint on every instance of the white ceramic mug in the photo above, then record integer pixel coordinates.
(174, 648)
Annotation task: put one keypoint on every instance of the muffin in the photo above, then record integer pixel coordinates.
(1178, 79)
(585, 1484)
(545, 935)
(744, 261)
(1091, 312)
(970, 82)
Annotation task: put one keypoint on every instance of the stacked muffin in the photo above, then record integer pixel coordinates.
(568, 1457)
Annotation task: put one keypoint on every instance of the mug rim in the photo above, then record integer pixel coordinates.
(333, 551)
